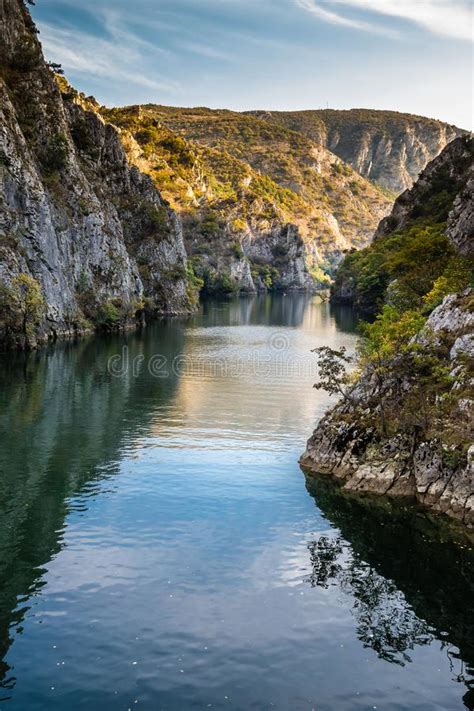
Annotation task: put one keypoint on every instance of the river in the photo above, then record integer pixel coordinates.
(160, 547)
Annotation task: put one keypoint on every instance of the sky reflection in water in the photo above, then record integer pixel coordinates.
(161, 549)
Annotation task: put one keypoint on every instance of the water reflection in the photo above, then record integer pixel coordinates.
(64, 421)
(164, 520)
(411, 577)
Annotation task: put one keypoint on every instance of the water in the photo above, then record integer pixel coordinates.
(161, 549)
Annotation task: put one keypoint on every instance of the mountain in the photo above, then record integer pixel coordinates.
(261, 205)
(110, 215)
(428, 225)
(388, 148)
(404, 428)
(86, 240)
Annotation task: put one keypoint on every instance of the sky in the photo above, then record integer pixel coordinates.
(414, 56)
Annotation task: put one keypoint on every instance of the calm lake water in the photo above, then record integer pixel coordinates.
(160, 547)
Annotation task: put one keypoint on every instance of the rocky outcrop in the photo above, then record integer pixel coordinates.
(443, 191)
(387, 147)
(88, 228)
(405, 427)
(433, 470)
(460, 229)
(437, 210)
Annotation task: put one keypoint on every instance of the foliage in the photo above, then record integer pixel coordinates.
(227, 172)
(218, 283)
(416, 258)
(83, 139)
(456, 277)
(194, 284)
(268, 275)
(105, 314)
(236, 249)
(389, 334)
(26, 56)
(239, 225)
(22, 305)
(55, 156)
(332, 367)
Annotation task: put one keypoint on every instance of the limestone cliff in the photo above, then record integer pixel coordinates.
(262, 206)
(432, 470)
(88, 233)
(435, 219)
(387, 147)
(443, 191)
(405, 427)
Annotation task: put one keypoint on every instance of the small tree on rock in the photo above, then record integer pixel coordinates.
(333, 375)
(22, 305)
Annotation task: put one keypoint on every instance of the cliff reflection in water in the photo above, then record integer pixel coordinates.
(152, 519)
(411, 580)
(65, 422)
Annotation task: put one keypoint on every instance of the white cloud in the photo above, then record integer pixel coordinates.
(206, 51)
(106, 58)
(316, 9)
(452, 18)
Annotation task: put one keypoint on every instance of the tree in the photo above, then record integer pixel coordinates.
(56, 68)
(22, 305)
(333, 375)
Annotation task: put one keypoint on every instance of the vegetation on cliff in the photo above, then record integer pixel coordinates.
(238, 181)
(404, 424)
(412, 263)
(387, 147)
(86, 240)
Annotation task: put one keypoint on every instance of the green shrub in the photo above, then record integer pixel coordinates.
(236, 249)
(415, 257)
(55, 157)
(26, 56)
(22, 305)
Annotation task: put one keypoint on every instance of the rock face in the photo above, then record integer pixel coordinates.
(91, 230)
(388, 147)
(448, 180)
(405, 428)
(438, 208)
(255, 198)
(404, 465)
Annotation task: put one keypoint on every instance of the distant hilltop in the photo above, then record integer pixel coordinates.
(387, 147)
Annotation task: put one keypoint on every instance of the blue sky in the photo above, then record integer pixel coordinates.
(406, 55)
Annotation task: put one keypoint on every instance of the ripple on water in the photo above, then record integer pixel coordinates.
(159, 548)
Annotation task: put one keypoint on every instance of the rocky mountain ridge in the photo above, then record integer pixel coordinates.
(434, 219)
(260, 205)
(386, 147)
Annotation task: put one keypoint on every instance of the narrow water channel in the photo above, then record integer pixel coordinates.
(160, 547)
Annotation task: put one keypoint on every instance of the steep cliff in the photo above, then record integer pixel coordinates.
(428, 226)
(261, 205)
(85, 239)
(426, 451)
(387, 147)
(405, 427)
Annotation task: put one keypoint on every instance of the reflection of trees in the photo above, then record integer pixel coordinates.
(259, 310)
(63, 422)
(384, 622)
(411, 581)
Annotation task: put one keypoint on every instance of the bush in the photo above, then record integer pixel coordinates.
(56, 155)
(82, 138)
(236, 249)
(416, 258)
(22, 305)
(194, 284)
(26, 56)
